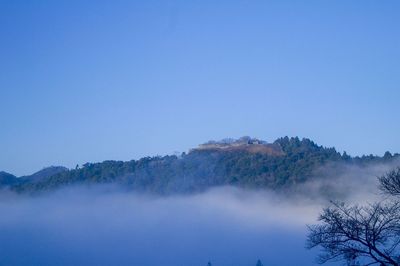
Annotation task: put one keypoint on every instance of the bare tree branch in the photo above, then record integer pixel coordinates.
(359, 235)
(390, 182)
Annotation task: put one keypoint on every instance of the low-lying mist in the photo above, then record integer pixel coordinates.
(103, 226)
(106, 225)
(344, 182)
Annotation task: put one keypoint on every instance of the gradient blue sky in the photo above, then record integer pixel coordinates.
(86, 81)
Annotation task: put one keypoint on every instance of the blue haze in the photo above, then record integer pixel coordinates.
(94, 80)
(90, 227)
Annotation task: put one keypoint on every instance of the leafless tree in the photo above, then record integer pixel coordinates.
(390, 182)
(360, 235)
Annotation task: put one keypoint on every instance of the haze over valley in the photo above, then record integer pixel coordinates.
(229, 202)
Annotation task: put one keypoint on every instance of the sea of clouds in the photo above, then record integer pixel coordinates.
(106, 225)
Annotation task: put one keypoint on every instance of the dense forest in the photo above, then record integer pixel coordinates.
(246, 162)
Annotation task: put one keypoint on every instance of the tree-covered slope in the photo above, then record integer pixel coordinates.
(7, 179)
(44, 173)
(245, 163)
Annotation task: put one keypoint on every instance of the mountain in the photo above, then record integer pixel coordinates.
(44, 173)
(246, 162)
(7, 179)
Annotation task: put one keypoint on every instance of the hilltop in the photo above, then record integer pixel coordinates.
(243, 144)
(245, 162)
(7, 179)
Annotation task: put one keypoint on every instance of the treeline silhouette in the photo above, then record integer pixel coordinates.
(204, 168)
(259, 263)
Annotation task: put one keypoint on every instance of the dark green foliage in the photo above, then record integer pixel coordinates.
(200, 169)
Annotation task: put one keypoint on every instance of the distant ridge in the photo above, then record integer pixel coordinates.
(44, 173)
(7, 179)
(245, 162)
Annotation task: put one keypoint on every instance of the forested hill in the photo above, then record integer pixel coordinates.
(245, 162)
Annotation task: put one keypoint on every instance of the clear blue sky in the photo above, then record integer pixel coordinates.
(86, 81)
